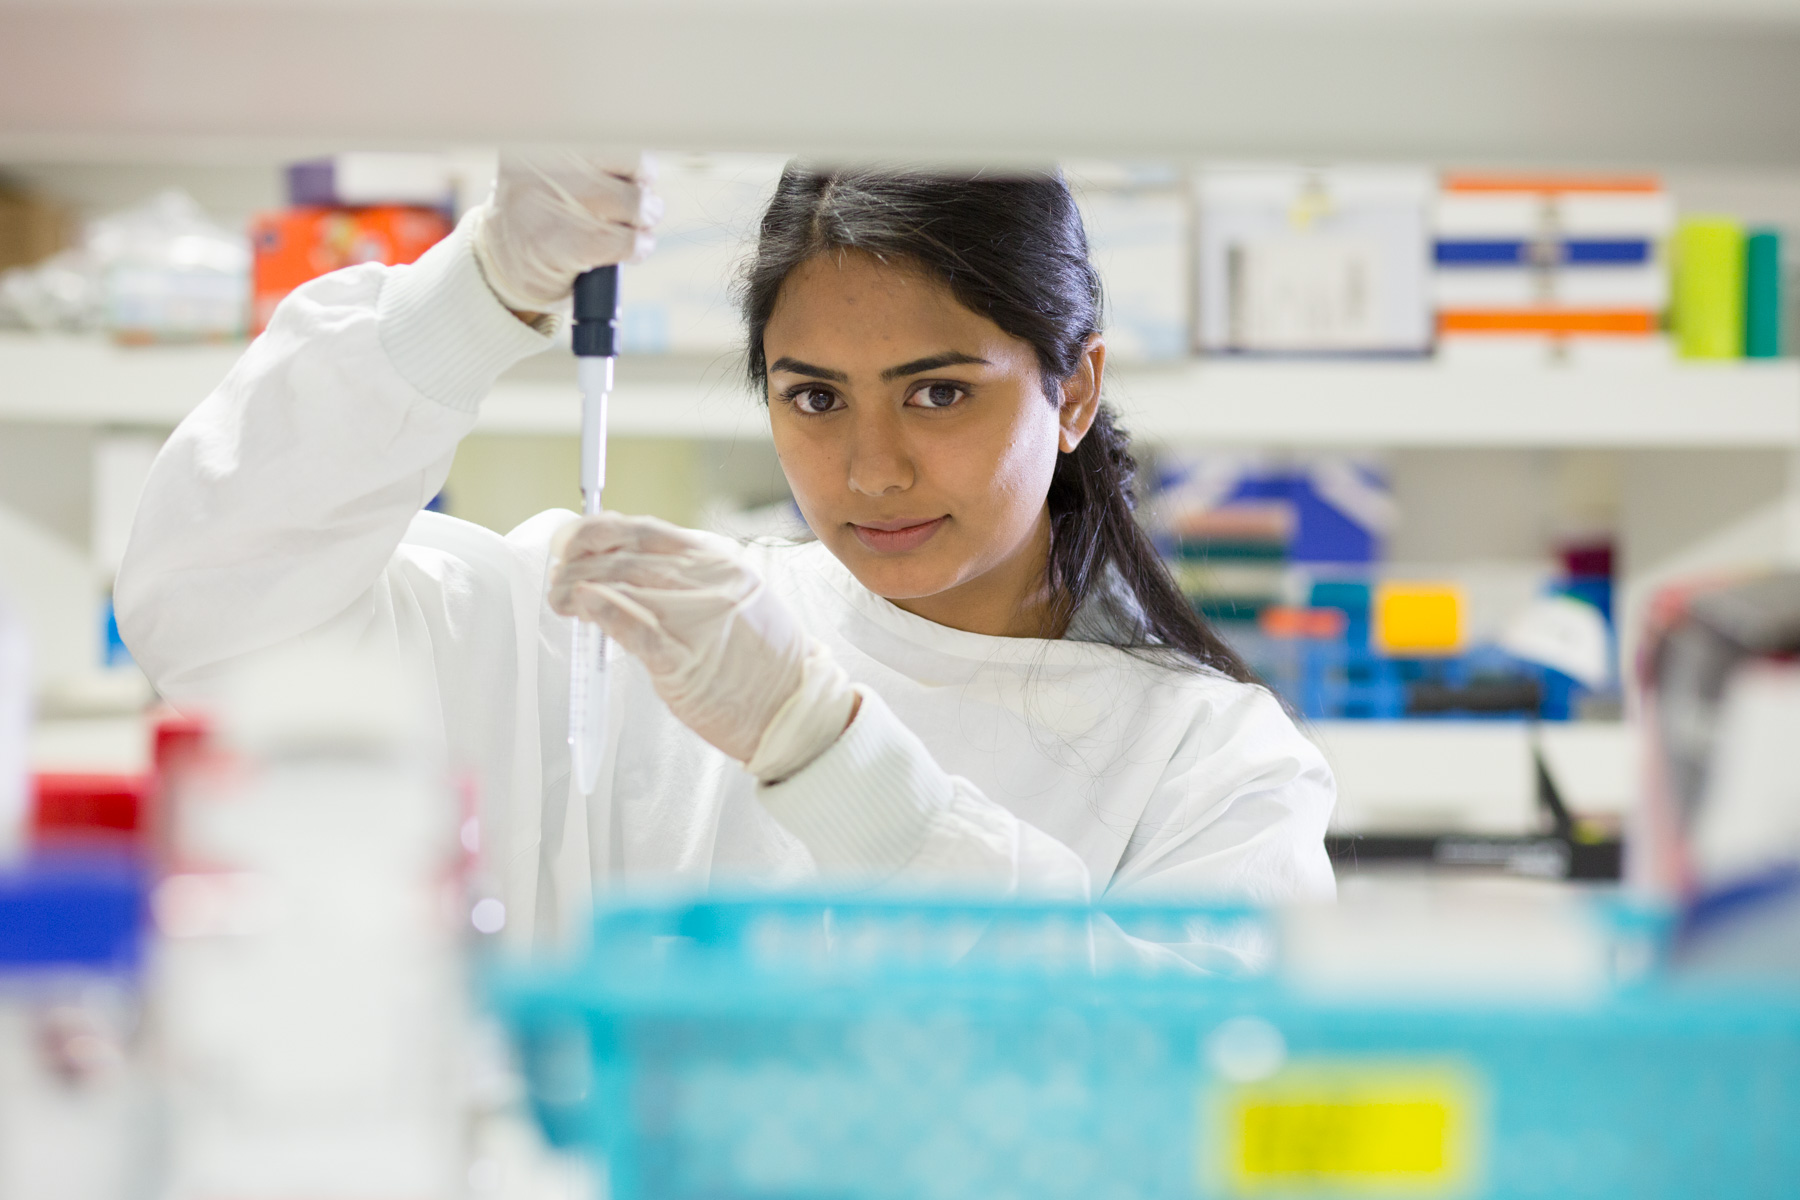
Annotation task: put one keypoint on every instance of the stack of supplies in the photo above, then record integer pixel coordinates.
(1296, 261)
(349, 209)
(1536, 268)
(1139, 228)
(1239, 531)
(1727, 301)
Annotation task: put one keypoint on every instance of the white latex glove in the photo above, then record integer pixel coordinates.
(553, 216)
(722, 650)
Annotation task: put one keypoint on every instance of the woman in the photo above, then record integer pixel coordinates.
(978, 677)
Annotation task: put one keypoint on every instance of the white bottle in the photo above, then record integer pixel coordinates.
(309, 986)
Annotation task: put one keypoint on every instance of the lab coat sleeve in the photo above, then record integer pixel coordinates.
(877, 810)
(279, 502)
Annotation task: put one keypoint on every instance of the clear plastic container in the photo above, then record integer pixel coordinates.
(75, 1117)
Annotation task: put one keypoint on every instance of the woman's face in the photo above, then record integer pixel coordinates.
(918, 439)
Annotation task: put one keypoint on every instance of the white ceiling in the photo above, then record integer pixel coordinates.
(1593, 81)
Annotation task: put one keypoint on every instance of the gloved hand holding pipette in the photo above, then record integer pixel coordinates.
(558, 225)
(553, 216)
(725, 654)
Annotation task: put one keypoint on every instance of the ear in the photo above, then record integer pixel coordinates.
(1081, 395)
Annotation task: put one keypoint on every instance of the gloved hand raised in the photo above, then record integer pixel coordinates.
(723, 651)
(553, 216)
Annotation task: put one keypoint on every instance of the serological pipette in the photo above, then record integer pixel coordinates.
(596, 339)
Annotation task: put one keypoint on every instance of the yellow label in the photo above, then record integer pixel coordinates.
(1345, 1130)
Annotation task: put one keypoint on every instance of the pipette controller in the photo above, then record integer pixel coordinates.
(596, 340)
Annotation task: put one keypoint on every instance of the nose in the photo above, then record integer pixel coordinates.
(879, 461)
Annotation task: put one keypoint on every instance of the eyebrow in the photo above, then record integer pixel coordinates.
(948, 358)
(918, 366)
(794, 366)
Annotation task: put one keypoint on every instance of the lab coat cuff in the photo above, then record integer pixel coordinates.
(866, 805)
(443, 328)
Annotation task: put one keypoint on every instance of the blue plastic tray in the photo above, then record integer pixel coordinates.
(806, 1049)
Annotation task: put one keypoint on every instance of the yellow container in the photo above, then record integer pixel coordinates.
(1707, 303)
(1419, 620)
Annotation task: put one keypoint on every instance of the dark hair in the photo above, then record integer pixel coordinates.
(1011, 247)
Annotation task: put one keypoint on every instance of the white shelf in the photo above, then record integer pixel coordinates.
(88, 381)
(1741, 405)
(1473, 776)
(102, 745)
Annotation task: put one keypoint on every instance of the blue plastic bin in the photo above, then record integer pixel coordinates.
(814, 1049)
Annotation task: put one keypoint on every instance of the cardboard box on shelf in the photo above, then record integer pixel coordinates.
(362, 179)
(32, 227)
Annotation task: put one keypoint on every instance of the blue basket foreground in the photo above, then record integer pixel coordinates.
(821, 1049)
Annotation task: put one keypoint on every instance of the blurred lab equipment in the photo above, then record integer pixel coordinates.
(1137, 219)
(346, 209)
(1504, 1044)
(1763, 294)
(299, 244)
(15, 730)
(1285, 556)
(681, 300)
(1302, 261)
(307, 984)
(1540, 268)
(33, 226)
(372, 179)
(1720, 825)
(1708, 314)
(1729, 300)
(159, 272)
(76, 1120)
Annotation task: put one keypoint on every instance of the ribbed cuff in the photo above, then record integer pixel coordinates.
(444, 329)
(865, 806)
(809, 722)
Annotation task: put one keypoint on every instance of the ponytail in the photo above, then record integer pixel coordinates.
(1092, 496)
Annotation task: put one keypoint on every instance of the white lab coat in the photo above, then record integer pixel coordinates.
(287, 506)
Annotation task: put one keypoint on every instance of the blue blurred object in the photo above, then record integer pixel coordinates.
(880, 1051)
(74, 912)
(113, 651)
(1324, 532)
(1540, 252)
(1596, 590)
(1345, 678)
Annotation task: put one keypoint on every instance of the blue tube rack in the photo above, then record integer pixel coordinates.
(813, 1048)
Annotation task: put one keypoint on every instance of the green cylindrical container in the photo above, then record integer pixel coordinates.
(1762, 294)
(1708, 306)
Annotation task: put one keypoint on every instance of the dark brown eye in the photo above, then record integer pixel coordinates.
(816, 400)
(938, 395)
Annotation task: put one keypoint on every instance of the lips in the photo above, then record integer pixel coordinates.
(893, 537)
